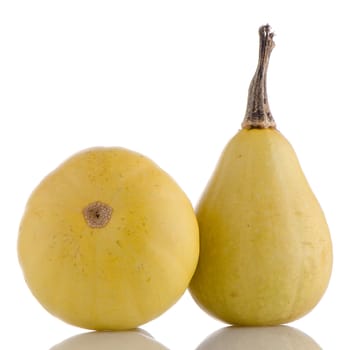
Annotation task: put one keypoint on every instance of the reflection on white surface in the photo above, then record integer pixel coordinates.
(258, 338)
(126, 340)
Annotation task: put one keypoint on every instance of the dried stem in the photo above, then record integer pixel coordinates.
(97, 214)
(258, 113)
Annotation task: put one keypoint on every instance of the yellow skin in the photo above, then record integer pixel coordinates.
(265, 247)
(121, 275)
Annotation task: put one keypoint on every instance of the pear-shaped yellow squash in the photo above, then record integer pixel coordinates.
(265, 247)
(108, 240)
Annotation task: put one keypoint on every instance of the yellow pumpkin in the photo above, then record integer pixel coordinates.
(108, 240)
(265, 247)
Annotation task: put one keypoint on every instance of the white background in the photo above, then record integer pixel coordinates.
(169, 79)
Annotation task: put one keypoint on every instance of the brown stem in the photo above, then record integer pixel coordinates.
(258, 113)
(97, 214)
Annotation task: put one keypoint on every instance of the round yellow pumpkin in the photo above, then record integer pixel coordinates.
(108, 240)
